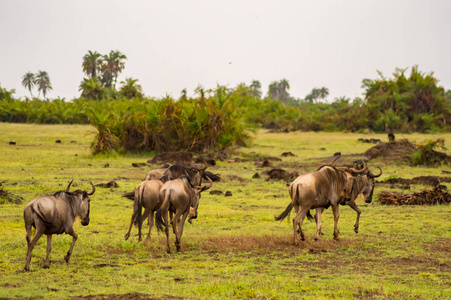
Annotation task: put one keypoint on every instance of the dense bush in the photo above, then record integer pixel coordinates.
(167, 125)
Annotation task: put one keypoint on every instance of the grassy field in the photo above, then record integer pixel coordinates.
(234, 249)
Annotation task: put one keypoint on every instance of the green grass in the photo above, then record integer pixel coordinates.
(234, 249)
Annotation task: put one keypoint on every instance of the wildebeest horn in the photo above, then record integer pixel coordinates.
(68, 187)
(335, 159)
(203, 188)
(93, 189)
(364, 169)
(374, 175)
(203, 168)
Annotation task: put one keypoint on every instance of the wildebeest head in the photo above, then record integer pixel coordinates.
(195, 200)
(362, 183)
(81, 199)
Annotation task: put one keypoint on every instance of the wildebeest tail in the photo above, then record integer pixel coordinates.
(285, 213)
(161, 225)
(309, 216)
(138, 213)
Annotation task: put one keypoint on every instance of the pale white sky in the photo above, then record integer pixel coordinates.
(173, 45)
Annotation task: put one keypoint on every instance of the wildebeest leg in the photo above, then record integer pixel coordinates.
(166, 231)
(134, 216)
(175, 220)
(178, 235)
(318, 213)
(150, 224)
(49, 248)
(140, 222)
(298, 220)
(74, 239)
(358, 211)
(171, 217)
(127, 235)
(37, 235)
(336, 217)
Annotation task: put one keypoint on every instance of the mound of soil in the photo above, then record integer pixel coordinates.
(280, 174)
(401, 149)
(438, 195)
(213, 177)
(7, 197)
(111, 184)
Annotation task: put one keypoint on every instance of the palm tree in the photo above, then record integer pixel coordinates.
(284, 86)
(91, 88)
(256, 89)
(273, 90)
(43, 82)
(112, 66)
(130, 89)
(91, 63)
(28, 82)
(323, 93)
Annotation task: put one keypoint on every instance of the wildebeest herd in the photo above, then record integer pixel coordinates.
(173, 194)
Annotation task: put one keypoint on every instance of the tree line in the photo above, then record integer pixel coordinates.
(405, 102)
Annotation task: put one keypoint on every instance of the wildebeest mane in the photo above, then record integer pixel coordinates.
(183, 177)
(329, 178)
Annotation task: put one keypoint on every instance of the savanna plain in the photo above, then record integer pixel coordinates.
(234, 249)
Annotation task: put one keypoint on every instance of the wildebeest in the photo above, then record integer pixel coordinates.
(155, 174)
(175, 171)
(182, 199)
(353, 188)
(391, 137)
(147, 195)
(56, 214)
(328, 186)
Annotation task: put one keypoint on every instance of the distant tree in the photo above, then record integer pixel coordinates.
(273, 90)
(5, 94)
(323, 93)
(91, 88)
(112, 65)
(92, 63)
(256, 91)
(130, 89)
(448, 94)
(278, 90)
(43, 82)
(317, 94)
(28, 81)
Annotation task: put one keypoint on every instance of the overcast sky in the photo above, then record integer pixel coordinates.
(173, 45)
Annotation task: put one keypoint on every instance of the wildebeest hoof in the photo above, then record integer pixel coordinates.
(66, 258)
(126, 236)
(189, 221)
(46, 266)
